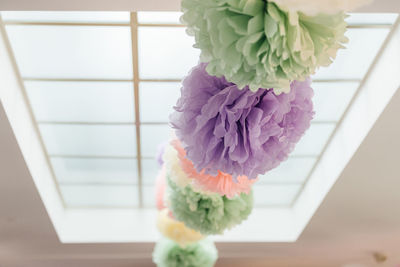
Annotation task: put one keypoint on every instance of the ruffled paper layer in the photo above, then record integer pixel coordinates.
(208, 213)
(161, 184)
(175, 230)
(222, 184)
(314, 7)
(238, 132)
(257, 44)
(169, 254)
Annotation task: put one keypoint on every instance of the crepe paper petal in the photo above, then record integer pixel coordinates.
(239, 132)
(222, 184)
(160, 153)
(208, 213)
(161, 184)
(257, 44)
(167, 253)
(176, 230)
(315, 7)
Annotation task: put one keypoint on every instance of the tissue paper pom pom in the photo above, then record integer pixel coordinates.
(173, 168)
(169, 254)
(314, 7)
(208, 213)
(222, 184)
(161, 184)
(175, 230)
(258, 44)
(160, 153)
(239, 132)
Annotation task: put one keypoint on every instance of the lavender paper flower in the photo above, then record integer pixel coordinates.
(239, 132)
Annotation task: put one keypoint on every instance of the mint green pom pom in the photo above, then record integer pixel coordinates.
(255, 43)
(167, 253)
(208, 213)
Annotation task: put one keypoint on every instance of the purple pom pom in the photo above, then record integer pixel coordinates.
(239, 132)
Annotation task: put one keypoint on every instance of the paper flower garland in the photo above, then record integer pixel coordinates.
(161, 184)
(208, 213)
(222, 184)
(169, 254)
(175, 230)
(239, 132)
(314, 7)
(257, 44)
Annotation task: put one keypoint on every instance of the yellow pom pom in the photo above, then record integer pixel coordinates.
(175, 230)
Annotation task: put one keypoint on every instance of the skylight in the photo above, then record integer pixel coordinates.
(78, 70)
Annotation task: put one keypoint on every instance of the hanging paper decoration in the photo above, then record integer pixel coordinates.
(167, 253)
(222, 184)
(208, 213)
(257, 44)
(161, 184)
(239, 132)
(176, 230)
(315, 7)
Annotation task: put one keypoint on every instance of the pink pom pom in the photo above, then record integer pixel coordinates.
(160, 188)
(222, 184)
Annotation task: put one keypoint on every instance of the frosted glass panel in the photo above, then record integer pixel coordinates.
(166, 52)
(72, 51)
(293, 170)
(100, 196)
(82, 101)
(149, 200)
(372, 18)
(314, 140)
(150, 169)
(102, 171)
(268, 195)
(158, 100)
(100, 140)
(353, 62)
(152, 136)
(57, 16)
(159, 17)
(331, 99)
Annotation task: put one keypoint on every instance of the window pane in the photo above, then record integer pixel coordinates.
(97, 140)
(314, 140)
(158, 100)
(59, 16)
(293, 170)
(82, 101)
(102, 171)
(354, 61)
(331, 99)
(275, 195)
(150, 169)
(165, 52)
(72, 51)
(152, 136)
(159, 17)
(100, 196)
(149, 196)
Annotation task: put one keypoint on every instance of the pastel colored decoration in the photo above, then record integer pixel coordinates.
(161, 184)
(208, 213)
(260, 45)
(176, 230)
(222, 184)
(239, 132)
(167, 253)
(314, 7)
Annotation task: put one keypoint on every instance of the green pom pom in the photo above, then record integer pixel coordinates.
(167, 253)
(208, 213)
(255, 43)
